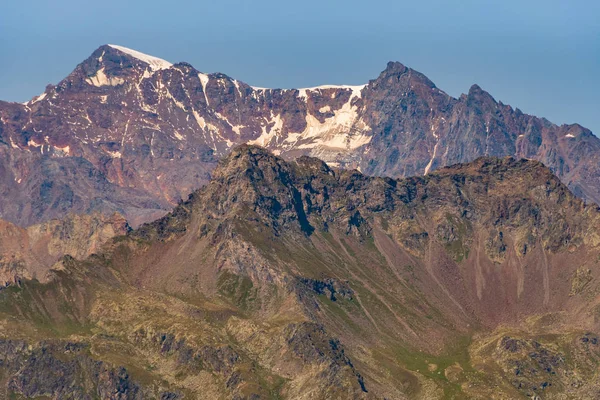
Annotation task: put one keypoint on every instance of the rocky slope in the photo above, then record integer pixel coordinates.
(132, 133)
(295, 280)
(29, 253)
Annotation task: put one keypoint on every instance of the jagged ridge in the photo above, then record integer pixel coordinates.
(149, 136)
(293, 279)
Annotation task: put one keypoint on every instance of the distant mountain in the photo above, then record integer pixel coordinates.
(133, 133)
(294, 280)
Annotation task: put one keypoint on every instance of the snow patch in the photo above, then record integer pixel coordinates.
(33, 143)
(303, 93)
(199, 120)
(428, 167)
(155, 63)
(178, 135)
(268, 135)
(177, 102)
(65, 150)
(36, 99)
(569, 135)
(237, 86)
(344, 131)
(435, 135)
(204, 81)
(100, 79)
(114, 154)
(237, 128)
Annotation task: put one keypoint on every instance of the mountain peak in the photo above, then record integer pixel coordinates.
(396, 71)
(155, 63)
(395, 67)
(475, 91)
(243, 158)
(112, 65)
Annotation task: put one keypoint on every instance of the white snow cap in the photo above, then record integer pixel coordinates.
(355, 89)
(154, 62)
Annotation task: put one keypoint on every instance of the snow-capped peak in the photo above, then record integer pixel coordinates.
(154, 62)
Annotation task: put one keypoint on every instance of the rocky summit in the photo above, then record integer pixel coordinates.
(132, 133)
(298, 280)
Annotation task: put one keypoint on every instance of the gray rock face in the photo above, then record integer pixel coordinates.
(135, 134)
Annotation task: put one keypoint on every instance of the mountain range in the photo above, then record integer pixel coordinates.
(132, 133)
(297, 280)
(172, 234)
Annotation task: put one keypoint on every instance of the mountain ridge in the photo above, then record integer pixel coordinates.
(294, 279)
(150, 136)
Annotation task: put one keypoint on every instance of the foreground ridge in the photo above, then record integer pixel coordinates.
(293, 279)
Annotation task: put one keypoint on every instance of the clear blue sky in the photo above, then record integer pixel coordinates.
(540, 56)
